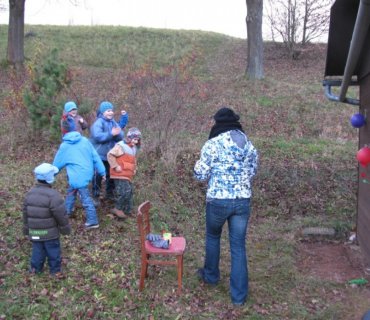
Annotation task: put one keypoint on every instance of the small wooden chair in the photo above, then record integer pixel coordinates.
(176, 248)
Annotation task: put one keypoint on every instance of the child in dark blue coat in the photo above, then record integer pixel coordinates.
(104, 134)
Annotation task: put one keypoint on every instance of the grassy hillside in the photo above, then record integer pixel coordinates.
(171, 83)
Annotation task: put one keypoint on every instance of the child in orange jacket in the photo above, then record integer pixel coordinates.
(122, 162)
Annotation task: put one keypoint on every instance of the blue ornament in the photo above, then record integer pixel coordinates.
(358, 120)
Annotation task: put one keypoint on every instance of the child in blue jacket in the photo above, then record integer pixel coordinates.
(104, 134)
(81, 160)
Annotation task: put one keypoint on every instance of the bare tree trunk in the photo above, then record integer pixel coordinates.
(255, 41)
(15, 53)
(305, 18)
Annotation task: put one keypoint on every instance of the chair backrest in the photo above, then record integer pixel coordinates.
(143, 222)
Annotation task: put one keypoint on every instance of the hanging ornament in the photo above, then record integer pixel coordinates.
(363, 156)
(358, 120)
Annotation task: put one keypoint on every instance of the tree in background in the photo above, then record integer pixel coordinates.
(15, 52)
(255, 41)
(315, 19)
(298, 22)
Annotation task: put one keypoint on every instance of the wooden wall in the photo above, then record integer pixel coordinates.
(363, 205)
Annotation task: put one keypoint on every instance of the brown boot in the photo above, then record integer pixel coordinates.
(119, 213)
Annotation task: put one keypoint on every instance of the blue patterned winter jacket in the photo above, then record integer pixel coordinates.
(229, 162)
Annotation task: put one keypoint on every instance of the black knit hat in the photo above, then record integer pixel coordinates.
(225, 115)
(226, 120)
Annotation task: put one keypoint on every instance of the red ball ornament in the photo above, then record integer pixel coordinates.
(363, 156)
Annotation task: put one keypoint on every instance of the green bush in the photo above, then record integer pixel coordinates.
(43, 99)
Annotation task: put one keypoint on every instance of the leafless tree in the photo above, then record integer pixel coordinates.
(316, 19)
(255, 41)
(297, 22)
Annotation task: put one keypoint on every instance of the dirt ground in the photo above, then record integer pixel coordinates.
(337, 262)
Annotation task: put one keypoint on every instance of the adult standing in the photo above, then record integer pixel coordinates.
(104, 134)
(228, 161)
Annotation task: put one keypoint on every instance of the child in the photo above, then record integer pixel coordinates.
(71, 121)
(104, 133)
(81, 160)
(122, 160)
(44, 218)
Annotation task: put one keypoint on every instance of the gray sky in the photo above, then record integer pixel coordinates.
(222, 16)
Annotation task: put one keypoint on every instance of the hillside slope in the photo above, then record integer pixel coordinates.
(171, 83)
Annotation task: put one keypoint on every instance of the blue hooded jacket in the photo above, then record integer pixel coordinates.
(101, 136)
(77, 154)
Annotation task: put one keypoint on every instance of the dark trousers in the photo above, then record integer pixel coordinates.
(123, 195)
(97, 182)
(46, 249)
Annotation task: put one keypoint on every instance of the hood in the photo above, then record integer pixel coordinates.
(72, 137)
(240, 146)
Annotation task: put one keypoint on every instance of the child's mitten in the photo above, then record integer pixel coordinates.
(161, 243)
(153, 237)
(157, 241)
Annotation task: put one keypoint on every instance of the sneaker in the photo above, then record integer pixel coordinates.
(119, 213)
(89, 226)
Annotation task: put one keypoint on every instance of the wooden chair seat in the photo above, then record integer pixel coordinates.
(177, 246)
(174, 255)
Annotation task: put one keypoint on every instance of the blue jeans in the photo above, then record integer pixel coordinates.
(236, 212)
(87, 203)
(46, 249)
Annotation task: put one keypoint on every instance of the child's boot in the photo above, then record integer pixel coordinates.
(119, 213)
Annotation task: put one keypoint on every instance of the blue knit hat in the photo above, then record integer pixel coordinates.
(69, 106)
(104, 106)
(46, 172)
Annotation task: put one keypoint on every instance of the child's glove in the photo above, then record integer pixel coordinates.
(153, 237)
(157, 241)
(163, 244)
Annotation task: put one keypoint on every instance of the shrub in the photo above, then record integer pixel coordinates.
(167, 98)
(43, 99)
